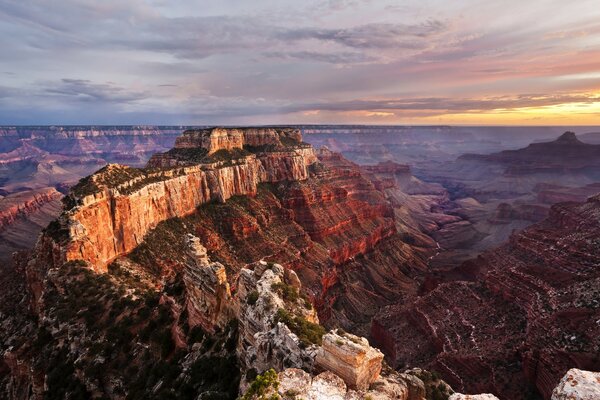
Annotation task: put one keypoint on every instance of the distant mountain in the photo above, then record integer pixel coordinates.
(565, 153)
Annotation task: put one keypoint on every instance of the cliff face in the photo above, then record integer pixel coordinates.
(112, 210)
(325, 228)
(24, 204)
(216, 139)
(22, 216)
(531, 314)
(109, 141)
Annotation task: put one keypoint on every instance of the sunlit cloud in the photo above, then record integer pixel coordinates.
(83, 61)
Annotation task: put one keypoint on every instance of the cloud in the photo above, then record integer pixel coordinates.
(445, 105)
(82, 90)
(373, 36)
(265, 60)
(332, 58)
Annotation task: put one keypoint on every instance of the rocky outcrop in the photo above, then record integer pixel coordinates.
(351, 358)
(110, 212)
(460, 396)
(268, 302)
(208, 297)
(215, 139)
(294, 383)
(578, 385)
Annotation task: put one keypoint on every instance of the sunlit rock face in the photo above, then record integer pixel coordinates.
(265, 340)
(215, 139)
(578, 385)
(460, 396)
(110, 212)
(294, 383)
(351, 358)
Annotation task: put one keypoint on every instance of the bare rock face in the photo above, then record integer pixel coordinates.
(350, 357)
(25, 203)
(578, 385)
(110, 212)
(460, 396)
(209, 301)
(265, 341)
(295, 383)
(215, 139)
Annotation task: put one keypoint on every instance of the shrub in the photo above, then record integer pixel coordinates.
(308, 332)
(252, 298)
(261, 385)
(289, 293)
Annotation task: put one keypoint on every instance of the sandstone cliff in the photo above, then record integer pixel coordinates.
(110, 212)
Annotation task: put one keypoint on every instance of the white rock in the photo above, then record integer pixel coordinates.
(327, 386)
(578, 385)
(484, 396)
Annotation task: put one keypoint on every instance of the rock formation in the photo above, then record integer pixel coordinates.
(24, 204)
(111, 211)
(209, 301)
(351, 358)
(294, 383)
(567, 152)
(22, 216)
(460, 396)
(578, 385)
(276, 324)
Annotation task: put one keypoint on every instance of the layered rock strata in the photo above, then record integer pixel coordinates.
(23, 204)
(531, 314)
(209, 302)
(111, 211)
(351, 358)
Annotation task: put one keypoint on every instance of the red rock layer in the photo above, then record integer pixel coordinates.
(22, 204)
(534, 315)
(324, 228)
(215, 139)
(125, 204)
(340, 209)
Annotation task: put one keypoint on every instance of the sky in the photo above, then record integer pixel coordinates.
(227, 62)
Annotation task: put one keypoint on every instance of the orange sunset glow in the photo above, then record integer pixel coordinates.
(337, 61)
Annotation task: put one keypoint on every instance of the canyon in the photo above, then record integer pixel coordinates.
(246, 249)
(34, 159)
(534, 298)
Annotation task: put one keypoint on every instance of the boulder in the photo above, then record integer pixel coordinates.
(578, 385)
(350, 357)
